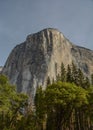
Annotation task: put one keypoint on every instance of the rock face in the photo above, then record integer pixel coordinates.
(40, 56)
(1, 68)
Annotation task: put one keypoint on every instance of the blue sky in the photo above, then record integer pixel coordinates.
(18, 18)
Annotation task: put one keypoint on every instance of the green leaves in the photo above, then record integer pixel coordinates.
(11, 104)
(58, 102)
(65, 93)
(3, 79)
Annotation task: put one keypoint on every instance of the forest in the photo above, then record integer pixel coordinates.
(65, 104)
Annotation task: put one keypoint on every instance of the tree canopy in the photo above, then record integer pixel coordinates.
(12, 104)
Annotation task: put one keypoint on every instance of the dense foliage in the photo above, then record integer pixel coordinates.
(12, 105)
(65, 104)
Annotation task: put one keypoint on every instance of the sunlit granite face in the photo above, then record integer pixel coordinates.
(40, 56)
(1, 68)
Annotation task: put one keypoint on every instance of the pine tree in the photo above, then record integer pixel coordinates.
(63, 73)
(39, 108)
(53, 80)
(80, 79)
(74, 73)
(86, 83)
(48, 81)
(92, 79)
(58, 78)
(69, 74)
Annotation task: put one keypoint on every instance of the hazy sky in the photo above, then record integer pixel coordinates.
(18, 18)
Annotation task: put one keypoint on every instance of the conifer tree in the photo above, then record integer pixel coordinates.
(92, 79)
(69, 74)
(53, 80)
(86, 83)
(48, 81)
(58, 78)
(80, 79)
(74, 73)
(39, 108)
(63, 73)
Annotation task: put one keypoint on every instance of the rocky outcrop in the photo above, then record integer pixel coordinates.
(40, 56)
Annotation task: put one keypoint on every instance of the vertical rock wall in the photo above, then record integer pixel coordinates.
(40, 56)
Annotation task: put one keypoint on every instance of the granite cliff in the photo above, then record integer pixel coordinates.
(40, 56)
(1, 69)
